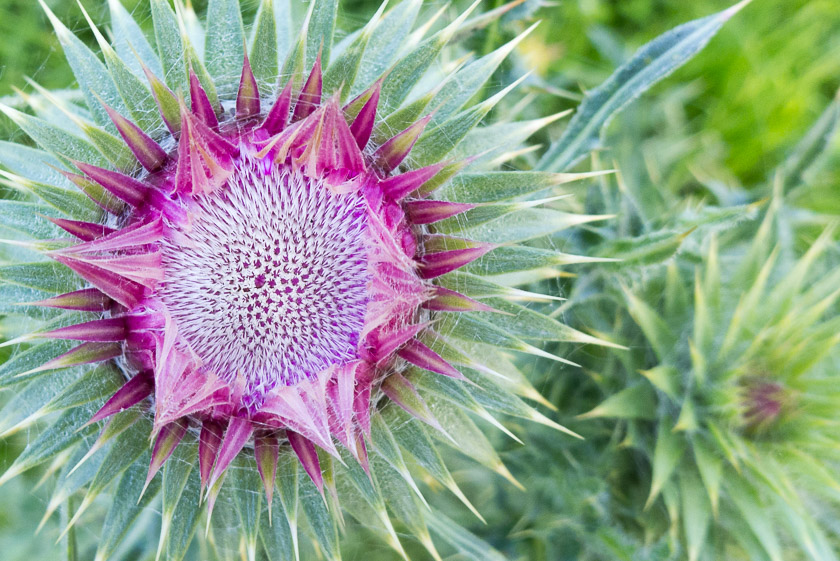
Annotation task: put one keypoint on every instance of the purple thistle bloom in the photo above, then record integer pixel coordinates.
(283, 239)
(265, 275)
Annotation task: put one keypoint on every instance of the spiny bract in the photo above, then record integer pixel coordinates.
(746, 402)
(272, 265)
(727, 403)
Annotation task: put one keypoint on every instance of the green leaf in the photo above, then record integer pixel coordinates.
(525, 224)
(696, 513)
(647, 249)
(69, 202)
(350, 470)
(136, 94)
(192, 30)
(176, 473)
(342, 72)
(806, 530)
(667, 453)
(23, 217)
(170, 46)
(31, 163)
(479, 287)
(490, 144)
(501, 399)
(248, 498)
(13, 299)
(468, 327)
(412, 436)
(13, 249)
(97, 384)
(180, 510)
(659, 334)
(64, 113)
(647, 66)
(63, 433)
(516, 258)
(48, 276)
(24, 366)
(384, 44)
(276, 534)
(185, 517)
(440, 139)
(128, 446)
(288, 491)
(319, 35)
(293, 65)
(754, 513)
(494, 186)
(665, 377)
(264, 59)
(284, 24)
(718, 218)
(386, 447)
(520, 321)
(75, 473)
(55, 140)
(402, 118)
(202, 74)
(808, 151)
(405, 505)
(65, 319)
(363, 500)
(409, 434)
(710, 467)
(224, 45)
(676, 294)
(634, 402)
(467, 81)
(407, 71)
(129, 39)
(320, 519)
(95, 82)
(25, 408)
(467, 544)
(125, 508)
(468, 438)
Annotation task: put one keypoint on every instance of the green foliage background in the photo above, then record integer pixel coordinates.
(728, 118)
(753, 93)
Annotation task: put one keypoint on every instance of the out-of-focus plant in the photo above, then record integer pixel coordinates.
(726, 298)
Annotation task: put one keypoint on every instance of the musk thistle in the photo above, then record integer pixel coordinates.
(746, 415)
(727, 403)
(239, 261)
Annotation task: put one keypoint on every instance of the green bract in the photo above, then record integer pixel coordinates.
(727, 402)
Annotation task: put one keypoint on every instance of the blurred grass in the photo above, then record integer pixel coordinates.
(33, 49)
(762, 81)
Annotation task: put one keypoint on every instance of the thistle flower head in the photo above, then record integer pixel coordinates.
(262, 273)
(281, 255)
(763, 403)
(731, 407)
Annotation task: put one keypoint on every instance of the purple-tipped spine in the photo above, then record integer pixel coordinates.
(310, 95)
(394, 151)
(148, 152)
(201, 106)
(123, 187)
(130, 394)
(248, 97)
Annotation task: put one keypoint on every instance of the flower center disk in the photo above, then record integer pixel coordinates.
(269, 284)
